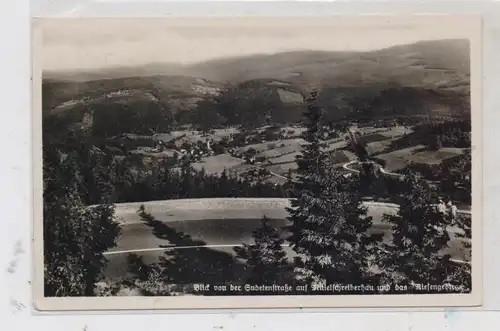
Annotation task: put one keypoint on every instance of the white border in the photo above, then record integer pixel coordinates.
(471, 27)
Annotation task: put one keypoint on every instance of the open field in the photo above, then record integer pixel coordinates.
(396, 131)
(217, 163)
(280, 169)
(435, 157)
(399, 159)
(371, 138)
(342, 156)
(336, 144)
(148, 152)
(195, 136)
(280, 151)
(378, 140)
(388, 132)
(378, 146)
(261, 147)
(242, 168)
(291, 157)
(275, 179)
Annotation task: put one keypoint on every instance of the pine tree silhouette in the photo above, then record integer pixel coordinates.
(419, 237)
(265, 258)
(328, 225)
(75, 236)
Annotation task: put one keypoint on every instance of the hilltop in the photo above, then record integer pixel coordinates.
(442, 64)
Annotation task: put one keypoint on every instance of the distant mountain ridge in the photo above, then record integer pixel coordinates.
(450, 57)
(425, 78)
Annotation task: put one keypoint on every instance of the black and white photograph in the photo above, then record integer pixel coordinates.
(206, 162)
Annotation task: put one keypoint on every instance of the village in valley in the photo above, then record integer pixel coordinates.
(269, 153)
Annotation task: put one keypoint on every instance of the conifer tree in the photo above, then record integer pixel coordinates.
(328, 223)
(265, 258)
(310, 166)
(419, 237)
(75, 236)
(334, 245)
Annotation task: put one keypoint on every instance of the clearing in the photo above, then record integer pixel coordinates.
(341, 157)
(217, 163)
(399, 159)
(286, 158)
(280, 151)
(195, 136)
(435, 157)
(294, 143)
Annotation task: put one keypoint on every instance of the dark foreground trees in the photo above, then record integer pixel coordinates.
(328, 224)
(462, 271)
(417, 254)
(167, 182)
(310, 170)
(266, 260)
(333, 243)
(75, 236)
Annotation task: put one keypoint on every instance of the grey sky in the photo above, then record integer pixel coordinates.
(70, 44)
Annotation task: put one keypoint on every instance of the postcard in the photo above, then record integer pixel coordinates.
(257, 162)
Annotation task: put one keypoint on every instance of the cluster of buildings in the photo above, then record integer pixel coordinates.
(195, 151)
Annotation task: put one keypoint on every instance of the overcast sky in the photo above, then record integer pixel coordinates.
(70, 44)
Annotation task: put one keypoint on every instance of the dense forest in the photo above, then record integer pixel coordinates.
(248, 105)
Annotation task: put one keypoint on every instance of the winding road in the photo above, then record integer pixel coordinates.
(210, 229)
(382, 170)
(345, 166)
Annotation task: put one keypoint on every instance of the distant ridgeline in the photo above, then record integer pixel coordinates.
(422, 80)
